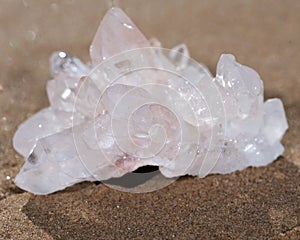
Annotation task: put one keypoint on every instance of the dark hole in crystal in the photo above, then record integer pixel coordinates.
(146, 169)
(133, 179)
(32, 158)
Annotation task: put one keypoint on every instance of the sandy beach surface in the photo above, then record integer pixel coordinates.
(256, 203)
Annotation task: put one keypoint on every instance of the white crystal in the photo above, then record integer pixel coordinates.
(44, 123)
(116, 27)
(174, 114)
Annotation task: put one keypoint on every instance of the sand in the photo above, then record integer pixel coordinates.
(257, 203)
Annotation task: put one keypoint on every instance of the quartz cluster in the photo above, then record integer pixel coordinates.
(138, 104)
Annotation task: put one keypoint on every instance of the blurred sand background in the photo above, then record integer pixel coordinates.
(257, 203)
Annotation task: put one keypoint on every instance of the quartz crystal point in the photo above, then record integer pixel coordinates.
(79, 139)
(117, 27)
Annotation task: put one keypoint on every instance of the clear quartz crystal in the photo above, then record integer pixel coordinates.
(65, 62)
(79, 138)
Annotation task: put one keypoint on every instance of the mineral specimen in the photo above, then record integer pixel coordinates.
(137, 104)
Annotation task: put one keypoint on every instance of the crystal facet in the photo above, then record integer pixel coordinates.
(117, 28)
